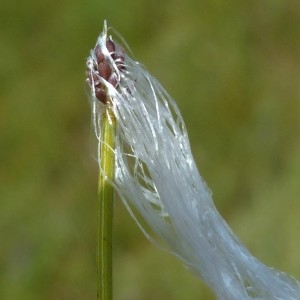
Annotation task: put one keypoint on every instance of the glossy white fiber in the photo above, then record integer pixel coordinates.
(156, 174)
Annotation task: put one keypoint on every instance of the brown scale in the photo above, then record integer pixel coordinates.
(102, 68)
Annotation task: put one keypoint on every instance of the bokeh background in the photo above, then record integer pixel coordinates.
(234, 70)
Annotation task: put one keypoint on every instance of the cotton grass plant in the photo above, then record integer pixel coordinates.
(145, 156)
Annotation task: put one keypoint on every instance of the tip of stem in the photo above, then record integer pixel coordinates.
(105, 26)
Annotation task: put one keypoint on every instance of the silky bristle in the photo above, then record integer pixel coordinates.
(156, 174)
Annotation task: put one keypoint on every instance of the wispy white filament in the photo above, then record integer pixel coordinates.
(156, 174)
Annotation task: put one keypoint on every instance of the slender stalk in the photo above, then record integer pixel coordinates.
(106, 195)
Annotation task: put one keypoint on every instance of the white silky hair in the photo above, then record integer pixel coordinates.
(157, 176)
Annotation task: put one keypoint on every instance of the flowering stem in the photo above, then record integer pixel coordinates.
(106, 194)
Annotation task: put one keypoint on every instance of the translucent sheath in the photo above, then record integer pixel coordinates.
(106, 193)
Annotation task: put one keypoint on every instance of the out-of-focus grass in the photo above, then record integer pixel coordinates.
(234, 70)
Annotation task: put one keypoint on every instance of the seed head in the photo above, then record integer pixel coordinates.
(104, 66)
(157, 176)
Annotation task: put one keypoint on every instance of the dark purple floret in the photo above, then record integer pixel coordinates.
(102, 69)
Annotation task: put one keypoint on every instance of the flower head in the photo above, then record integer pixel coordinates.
(156, 174)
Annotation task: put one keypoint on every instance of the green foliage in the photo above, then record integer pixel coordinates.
(233, 69)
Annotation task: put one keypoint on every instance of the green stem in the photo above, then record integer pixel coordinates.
(106, 195)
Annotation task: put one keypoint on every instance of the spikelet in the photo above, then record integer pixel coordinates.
(156, 174)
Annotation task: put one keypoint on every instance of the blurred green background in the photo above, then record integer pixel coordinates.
(234, 70)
